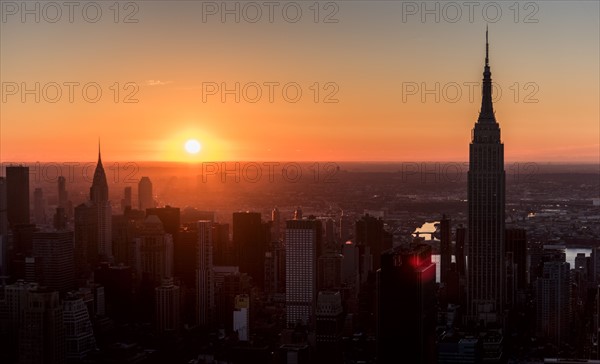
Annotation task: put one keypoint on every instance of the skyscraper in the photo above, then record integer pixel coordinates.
(145, 197)
(302, 238)
(86, 237)
(56, 252)
(3, 217)
(250, 244)
(79, 335)
(370, 233)
(38, 206)
(445, 249)
(63, 195)
(154, 251)
(3, 229)
(99, 197)
(553, 301)
(486, 196)
(406, 306)
(17, 195)
(126, 201)
(276, 229)
(168, 309)
(204, 273)
(42, 337)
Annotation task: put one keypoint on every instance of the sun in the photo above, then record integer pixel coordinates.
(192, 146)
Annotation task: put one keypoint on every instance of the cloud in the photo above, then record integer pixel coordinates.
(157, 82)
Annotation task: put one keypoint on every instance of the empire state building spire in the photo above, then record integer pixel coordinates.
(487, 108)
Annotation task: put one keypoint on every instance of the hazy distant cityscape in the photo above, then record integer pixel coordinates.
(192, 235)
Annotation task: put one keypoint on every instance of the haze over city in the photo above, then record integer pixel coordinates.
(280, 182)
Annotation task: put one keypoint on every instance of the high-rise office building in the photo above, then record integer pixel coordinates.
(330, 272)
(406, 305)
(276, 228)
(302, 237)
(168, 310)
(17, 195)
(145, 196)
(553, 301)
(3, 229)
(86, 237)
(170, 217)
(3, 216)
(154, 251)
(329, 326)
(59, 220)
(39, 213)
(370, 233)
(445, 249)
(204, 274)
(42, 336)
(13, 306)
(516, 261)
(55, 253)
(126, 201)
(79, 335)
(275, 269)
(222, 249)
(118, 284)
(486, 221)
(250, 243)
(63, 195)
(99, 198)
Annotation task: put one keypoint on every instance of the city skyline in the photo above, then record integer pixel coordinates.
(379, 116)
(295, 186)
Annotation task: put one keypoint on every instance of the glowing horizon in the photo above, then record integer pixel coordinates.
(358, 100)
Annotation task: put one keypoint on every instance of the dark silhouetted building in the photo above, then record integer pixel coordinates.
(79, 334)
(145, 196)
(445, 248)
(3, 216)
(250, 243)
(370, 233)
(87, 237)
(553, 302)
(126, 201)
(222, 249)
(39, 213)
(99, 199)
(486, 198)
(63, 194)
(154, 251)
(168, 309)
(170, 217)
(330, 271)
(205, 284)
(406, 306)
(54, 252)
(118, 287)
(516, 242)
(17, 195)
(42, 336)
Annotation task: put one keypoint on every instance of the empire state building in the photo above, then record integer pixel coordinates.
(486, 196)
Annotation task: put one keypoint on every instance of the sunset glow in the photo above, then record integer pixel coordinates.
(398, 90)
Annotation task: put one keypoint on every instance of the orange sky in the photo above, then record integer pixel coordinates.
(370, 58)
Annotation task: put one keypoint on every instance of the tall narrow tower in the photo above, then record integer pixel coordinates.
(486, 195)
(99, 198)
